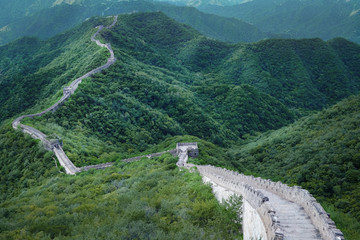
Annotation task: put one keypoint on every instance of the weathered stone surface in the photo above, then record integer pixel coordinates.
(253, 227)
(64, 161)
(286, 212)
(289, 213)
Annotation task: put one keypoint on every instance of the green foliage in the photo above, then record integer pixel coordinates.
(169, 86)
(23, 163)
(307, 74)
(214, 26)
(149, 199)
(244, 109)
(174, 82)
(33, 70)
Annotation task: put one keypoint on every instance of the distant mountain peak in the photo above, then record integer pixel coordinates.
(197, 3)
(354, 12)
(71, 2)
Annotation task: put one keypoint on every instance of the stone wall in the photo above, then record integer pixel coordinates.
(296, 194)
(254, 197)
(64, 161)
(252, 225)
(172, 152)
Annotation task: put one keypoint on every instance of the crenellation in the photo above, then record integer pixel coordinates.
(295, 194)
(256, 198)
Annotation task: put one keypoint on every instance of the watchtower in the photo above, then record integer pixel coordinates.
(67, 90)
(191, 148)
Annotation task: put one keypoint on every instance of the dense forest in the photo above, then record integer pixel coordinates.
(177, 82)
(256, 108)
(33, 70)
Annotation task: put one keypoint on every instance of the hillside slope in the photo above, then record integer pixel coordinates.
(149, 199)
(169, 80)
(33, 70)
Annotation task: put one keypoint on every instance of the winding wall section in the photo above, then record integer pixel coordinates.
(69, 167)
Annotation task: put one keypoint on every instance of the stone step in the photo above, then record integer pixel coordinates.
(298, 223)
(302, 238)
(294, 221)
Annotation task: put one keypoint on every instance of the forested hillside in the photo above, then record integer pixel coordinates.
(33, 70)
(321, 153)
(169, 80)
(298, 18)
(149, 199)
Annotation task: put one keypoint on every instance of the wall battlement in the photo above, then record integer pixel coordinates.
(302, 197)
(256, 199)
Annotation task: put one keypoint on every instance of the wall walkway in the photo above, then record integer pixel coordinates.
(286, 212)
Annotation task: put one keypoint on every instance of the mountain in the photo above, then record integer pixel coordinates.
(169, 84)
(298, 19)
(32, 70)
(319, 153)
(172, 206)
(61, 16)
(190, 84)
(197, 3)
(13, 10)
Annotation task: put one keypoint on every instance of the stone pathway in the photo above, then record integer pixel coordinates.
(293, 220)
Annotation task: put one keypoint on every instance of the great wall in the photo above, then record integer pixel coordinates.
(54, 145)
(271, 210)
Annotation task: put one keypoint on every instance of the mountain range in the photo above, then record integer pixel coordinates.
(48, 18)
(234, 21)
(283, 109)
(197, 3)
(298, 18)
(221, 87)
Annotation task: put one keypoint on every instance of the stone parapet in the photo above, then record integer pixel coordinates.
(256, 199)
(302, 197)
